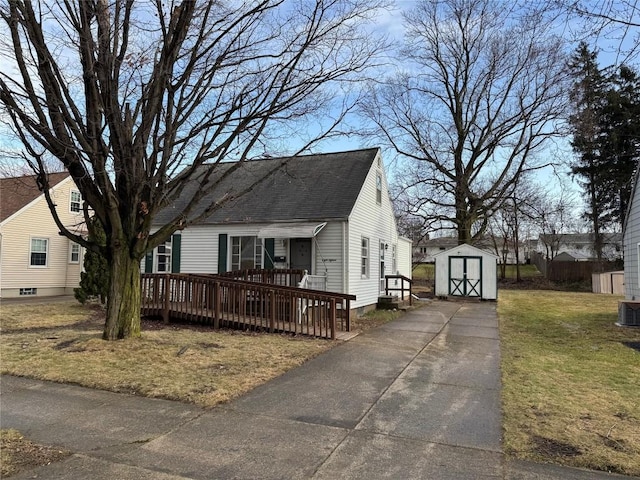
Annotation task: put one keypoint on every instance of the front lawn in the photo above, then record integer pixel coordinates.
(571, 380)
(62, 343)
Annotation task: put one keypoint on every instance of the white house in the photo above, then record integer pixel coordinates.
(329, 214)
(34, 258)
(578, 247)
(629, 310)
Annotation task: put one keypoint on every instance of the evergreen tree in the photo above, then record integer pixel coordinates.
(587, 98)
(619, 142)
(95, 279)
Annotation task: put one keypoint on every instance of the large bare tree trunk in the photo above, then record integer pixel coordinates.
(123, 309)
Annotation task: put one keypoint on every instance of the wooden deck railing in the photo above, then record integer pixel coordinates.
(401, 288)
(224, 302)
(275, 276)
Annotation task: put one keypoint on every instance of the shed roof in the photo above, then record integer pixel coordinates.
(315, 187)
(18, 192)
(466, 249)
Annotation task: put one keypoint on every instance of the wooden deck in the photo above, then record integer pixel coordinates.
(225, 302)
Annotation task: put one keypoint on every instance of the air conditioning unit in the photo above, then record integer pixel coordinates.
(629, 314)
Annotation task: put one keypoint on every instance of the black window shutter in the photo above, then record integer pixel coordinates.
(148, 262)
(176, 240)
(222, 253)
(269, 247)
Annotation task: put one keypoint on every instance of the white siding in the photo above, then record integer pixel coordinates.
(631, 243)
(376, 222)
(59, 276)
(404, 257)
(200, 244)
(489, 270)
(329, 253)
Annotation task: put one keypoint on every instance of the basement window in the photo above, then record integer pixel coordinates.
(28, 291)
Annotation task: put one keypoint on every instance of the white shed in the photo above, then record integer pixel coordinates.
(466, 271)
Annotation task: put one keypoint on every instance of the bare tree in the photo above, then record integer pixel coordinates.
(482, 89)
(553, 213)
(134, 98)
(613, 25)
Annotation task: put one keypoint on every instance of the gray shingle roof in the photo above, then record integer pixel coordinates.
(311, 187)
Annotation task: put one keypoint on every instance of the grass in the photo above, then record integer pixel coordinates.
(195, 365)
(571, 380)
(17, 453)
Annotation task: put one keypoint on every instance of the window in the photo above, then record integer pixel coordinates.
(163, 257)
(364, 265)
(246, 252)
(38, 254)
(28, 291)
(394, 263)
(379, 188)
(382, 268)
(75, 204)
(74, 253)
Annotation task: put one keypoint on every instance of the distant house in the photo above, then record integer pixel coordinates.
(34, 258)
(577, 247)
(329, 214)
(629, 311)
(426, 250)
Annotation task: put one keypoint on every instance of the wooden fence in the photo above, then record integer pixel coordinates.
(220, 301)
(559, 271)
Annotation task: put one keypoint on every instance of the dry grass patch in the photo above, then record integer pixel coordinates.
(571, 380)
(195, 365)
(17, 453)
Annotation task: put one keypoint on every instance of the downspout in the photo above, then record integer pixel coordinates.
(345, 257)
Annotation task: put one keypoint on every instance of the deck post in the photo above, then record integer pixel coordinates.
(272, 310)
(217, 305)
(348, 313)
(333, 318)
(167, 297)
(410, 294)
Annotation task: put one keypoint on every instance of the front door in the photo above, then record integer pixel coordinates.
(301, 254)
(465, 276)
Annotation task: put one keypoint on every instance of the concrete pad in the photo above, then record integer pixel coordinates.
(448, 366)
(81, 419)
(439, 413)
(80, 467)
(409, 340)
(475, 321)
(335, 389)
(365, 455)
(481, 346)
(226, 444)
(413, 325)
(472, 331)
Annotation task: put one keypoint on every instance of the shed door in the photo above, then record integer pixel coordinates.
(465, 276)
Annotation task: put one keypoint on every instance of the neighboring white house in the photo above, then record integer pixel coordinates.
(629, 311)
(426, 250)
(578, 247)
(329, 214)
(34, 258)
(466, 271)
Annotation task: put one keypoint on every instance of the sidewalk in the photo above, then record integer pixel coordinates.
(418, 398)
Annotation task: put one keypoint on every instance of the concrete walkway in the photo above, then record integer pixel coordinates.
(418, 398)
